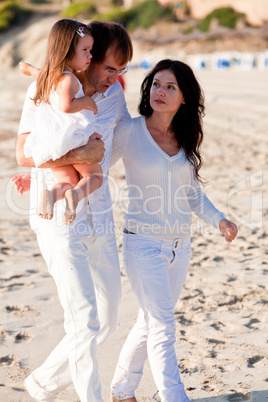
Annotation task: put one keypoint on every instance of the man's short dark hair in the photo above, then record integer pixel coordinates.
(110, 35)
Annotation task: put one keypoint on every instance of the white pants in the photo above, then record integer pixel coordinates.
(156, 270)
(87, 275)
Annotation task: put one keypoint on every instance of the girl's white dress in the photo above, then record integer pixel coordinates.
(55, 133)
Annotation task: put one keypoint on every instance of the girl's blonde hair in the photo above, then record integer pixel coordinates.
(62, 42)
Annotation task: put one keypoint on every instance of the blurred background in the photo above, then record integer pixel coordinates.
(207, 34)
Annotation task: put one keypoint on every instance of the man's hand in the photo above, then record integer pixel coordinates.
(93, 151)
(228, 229)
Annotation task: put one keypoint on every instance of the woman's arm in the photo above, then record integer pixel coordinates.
(201, 205)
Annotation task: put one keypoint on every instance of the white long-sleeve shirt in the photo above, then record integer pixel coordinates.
(162, 190)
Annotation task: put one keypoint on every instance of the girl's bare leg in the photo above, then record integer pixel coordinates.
(70, 187)
(46, 204)
(68, 178)
(72, 200)
(91, 181)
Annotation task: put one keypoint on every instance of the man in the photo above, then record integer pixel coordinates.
(82, 257)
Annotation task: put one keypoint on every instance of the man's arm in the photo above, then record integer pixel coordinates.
(122, 110)
(92, 152)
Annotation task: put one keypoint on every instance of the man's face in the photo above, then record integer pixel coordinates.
(96, 72)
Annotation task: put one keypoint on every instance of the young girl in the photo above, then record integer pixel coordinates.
(65, 116)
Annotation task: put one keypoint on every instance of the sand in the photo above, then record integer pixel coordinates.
(221, 318)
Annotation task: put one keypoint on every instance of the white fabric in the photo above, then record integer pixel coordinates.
(87, 275)
(90, 292)
(55, 133)
(156, 270)
(162, 190)
(98, 216)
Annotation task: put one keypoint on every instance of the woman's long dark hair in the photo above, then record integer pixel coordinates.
(187, 122)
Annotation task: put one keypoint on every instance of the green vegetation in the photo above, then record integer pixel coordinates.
(80, 10)
(189, 30)
(39, 1)
(116, 14)
(142, 15)
(226, 16)
(11, 13)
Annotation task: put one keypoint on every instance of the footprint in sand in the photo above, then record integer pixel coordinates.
(215, 341)
(3, 334)
(253, 360)
(21, 310)
(239, 397)
(217, 325)
(10, 309)
(4, 280)
(231, 301)
(12, 277)
(4, 250)
(252, 321)
(7, 360)
(183, 320)
(32, 271)
(22, 336)
(232, 279)
(218, 258)
(14, 286)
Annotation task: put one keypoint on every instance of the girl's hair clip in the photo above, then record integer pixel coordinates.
(80, 31)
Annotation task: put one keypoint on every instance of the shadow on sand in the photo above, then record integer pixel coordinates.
(254, 396)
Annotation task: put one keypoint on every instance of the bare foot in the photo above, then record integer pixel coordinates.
(46, 204)
(24, 68)
(113, 399)
(71, 199)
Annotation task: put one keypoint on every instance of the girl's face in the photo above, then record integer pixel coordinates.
(82, 57)
(165, 94)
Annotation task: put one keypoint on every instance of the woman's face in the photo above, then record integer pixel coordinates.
(165, 94)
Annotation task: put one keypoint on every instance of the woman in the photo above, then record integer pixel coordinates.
(161, 154)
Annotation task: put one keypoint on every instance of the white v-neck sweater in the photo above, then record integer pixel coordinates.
(162, 189)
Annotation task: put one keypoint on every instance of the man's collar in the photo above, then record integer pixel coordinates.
(99, 95)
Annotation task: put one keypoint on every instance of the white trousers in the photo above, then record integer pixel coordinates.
(156, 270)
(87, 275)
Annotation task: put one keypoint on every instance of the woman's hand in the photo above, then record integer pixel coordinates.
(228, 229)
(22, 182)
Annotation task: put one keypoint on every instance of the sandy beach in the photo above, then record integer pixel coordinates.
(222, 316)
